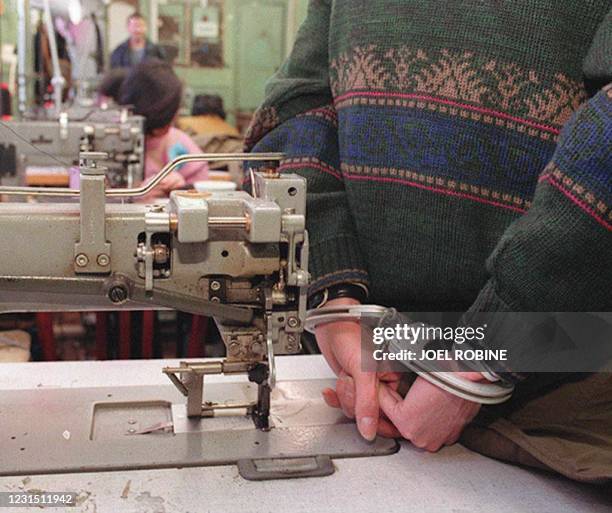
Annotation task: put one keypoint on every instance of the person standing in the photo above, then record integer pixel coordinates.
(137, 48)
(457, 157)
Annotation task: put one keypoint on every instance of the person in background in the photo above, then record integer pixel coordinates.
(137, 48)
(213, 133)
(154, 91)
(207, 118)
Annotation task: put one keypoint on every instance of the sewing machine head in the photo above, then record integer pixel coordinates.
(35, 147)
(237, 257)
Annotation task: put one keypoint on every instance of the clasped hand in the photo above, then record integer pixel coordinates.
(428, 416)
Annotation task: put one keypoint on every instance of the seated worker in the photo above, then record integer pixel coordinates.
(154, 91)
(207, 117)
(457, 158)
(213, 134)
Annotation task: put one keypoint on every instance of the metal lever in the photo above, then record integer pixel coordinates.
(145, 189)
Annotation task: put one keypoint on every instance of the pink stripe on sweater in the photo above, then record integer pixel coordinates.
(320, 167)
(578, 202)
(437, 190)
(482, 110)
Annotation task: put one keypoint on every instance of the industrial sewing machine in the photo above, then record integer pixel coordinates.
(240, 258)
(35, 148)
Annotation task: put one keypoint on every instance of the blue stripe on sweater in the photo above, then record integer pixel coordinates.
(585, 147)
(441, 145)
(306, 136)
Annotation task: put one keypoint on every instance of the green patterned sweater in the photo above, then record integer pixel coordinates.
(458, 154)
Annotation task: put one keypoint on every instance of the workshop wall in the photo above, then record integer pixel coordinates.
(8, 37)
(254, 37)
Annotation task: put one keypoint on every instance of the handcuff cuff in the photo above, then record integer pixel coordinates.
(494, 392)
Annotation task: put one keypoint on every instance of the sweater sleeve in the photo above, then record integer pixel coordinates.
(556, 258)
(298, 119)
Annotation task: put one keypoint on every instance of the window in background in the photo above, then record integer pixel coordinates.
(191, 32)
(170, 30)
(206, 35)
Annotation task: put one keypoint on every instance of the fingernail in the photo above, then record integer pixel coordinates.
(367, 427)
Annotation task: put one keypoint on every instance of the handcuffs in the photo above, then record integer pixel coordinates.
(483, 393)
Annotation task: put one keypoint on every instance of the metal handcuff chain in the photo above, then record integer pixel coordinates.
(483, 393)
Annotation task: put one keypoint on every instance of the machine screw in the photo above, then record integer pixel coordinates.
(103, 260)
(161, 255)
(118, 294)
(292, 322)
(81, 260)
(215, 285)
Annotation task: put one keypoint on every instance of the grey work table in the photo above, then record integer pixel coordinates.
(454, 480)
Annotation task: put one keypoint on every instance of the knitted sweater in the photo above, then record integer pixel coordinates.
(458, 154)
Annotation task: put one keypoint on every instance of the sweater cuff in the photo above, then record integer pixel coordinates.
(335, 261)
(526, 336)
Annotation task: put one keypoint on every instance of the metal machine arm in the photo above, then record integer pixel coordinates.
(240, 259)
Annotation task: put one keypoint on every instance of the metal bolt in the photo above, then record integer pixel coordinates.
(118, 294)
(234, 349)
(215, 299)
(131, 431)
(161, 254)
(215, 285)
(81, 260)
(103, 260)
(292, 322)
(131, 421)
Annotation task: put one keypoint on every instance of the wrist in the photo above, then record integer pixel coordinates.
(343, 301)
(355, 291)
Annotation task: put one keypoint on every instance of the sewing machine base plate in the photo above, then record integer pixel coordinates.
(97, 429)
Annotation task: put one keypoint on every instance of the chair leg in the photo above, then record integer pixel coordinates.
(44, 326)
(199, 328)
(148, 322)
(125, 334)
(101, 335)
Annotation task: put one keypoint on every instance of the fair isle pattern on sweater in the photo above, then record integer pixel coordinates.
(457, 153)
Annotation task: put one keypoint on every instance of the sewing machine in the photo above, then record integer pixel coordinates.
(43, 151)
(70, 426)
(240, 258)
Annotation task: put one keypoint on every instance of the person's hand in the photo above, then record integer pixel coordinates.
(345, 389)
(173, 181)
(356, 391)
(428, 416)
